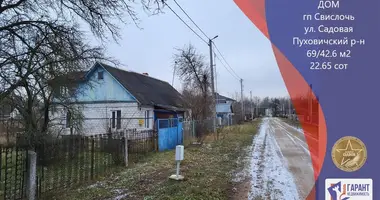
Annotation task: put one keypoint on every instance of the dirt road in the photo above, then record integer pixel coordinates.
(281, 165)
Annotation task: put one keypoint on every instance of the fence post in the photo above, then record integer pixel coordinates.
(155, 139)
(31, 182)
(92, 157)
(126, 151)
(193, 128)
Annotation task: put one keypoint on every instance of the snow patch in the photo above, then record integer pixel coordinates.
(243, 174)
(120, 197)
(270, 177)
(96, 185)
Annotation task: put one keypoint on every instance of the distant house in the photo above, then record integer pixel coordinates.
(9, 121)
(114, 99)
(7, 110)
(224, 108)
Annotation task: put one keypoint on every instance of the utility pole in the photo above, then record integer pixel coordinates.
(257, 107)
(212, 85)
(242, 100)
(251, 107)
(216, 81)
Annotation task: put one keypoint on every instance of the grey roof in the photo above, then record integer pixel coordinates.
(147, 90)
(70, 77)
(221, 97)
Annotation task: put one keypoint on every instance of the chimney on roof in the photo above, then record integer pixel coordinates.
(146, 74)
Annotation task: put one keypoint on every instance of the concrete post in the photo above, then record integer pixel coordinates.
(126, 150)
(193, 128)
(31, 183)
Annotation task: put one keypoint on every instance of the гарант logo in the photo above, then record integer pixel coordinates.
(348, 189)
(349, 154)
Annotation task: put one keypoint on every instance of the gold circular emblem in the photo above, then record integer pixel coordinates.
(349, 153)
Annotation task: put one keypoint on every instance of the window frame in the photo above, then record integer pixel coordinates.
(147, 118)
(116, 119)
(102, 75)
(63, 91)
(68, 119)
(113, 119)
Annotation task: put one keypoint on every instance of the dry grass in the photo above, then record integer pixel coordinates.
(208, 170)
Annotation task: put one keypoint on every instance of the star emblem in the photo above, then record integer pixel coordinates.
(348, 148)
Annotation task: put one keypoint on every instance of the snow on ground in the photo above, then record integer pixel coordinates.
(297, 129)
(241, 174)
(271, 178)
(295, 151)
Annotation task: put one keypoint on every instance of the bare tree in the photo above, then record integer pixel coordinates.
(26, 24)
(41, 40)
(191, 68)
(195, 102)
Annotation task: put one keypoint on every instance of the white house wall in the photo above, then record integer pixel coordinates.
(97, 117)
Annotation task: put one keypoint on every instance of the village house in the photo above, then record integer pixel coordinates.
(7, 109)
(224, 109)
(112, 99)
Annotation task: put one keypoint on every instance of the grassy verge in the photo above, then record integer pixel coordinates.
(208, 170)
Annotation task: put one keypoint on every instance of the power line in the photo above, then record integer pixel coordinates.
(230, 70)
(185, 23)
(226, 61)
(224, 65)
(216, 75)
(191, 19)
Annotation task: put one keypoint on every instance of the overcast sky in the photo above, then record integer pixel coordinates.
(244, 47)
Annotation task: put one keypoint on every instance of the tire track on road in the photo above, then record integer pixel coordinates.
(301, 143)
(297, 157)
(271, 178)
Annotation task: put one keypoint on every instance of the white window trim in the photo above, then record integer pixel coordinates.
(67, 125)
(147, 119)
(116, 124)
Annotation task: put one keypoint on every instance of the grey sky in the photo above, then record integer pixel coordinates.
(245, 48)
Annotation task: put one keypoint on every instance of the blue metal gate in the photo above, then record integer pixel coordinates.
(170, 133)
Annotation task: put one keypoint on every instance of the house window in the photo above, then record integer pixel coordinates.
(116, 119)
(147, 118)
(63, 91)
(118, 125)
(100, 75)
(68, 119)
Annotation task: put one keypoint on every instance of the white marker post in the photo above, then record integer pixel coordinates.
(179, 154)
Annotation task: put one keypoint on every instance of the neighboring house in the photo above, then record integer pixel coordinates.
(114, 99)
(224, 109)
(7, 110)
(9, 120)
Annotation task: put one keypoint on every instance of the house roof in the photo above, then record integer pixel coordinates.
(147, 90)
(221, 97)
(69, 78)
(77, 76)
